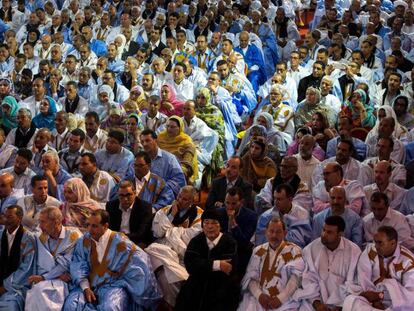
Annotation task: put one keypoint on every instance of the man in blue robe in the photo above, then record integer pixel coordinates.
(109, 271)
(54, 252)
(253, 57)
(17, 253)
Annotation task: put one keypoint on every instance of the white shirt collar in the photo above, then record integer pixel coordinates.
(212, 244)
(104, 238)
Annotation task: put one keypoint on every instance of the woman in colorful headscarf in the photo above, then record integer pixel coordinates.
(46, 116)
(170, 105)
(134, 128)
(321, 129)
(358, 110)
(116, 120)
(257, 168)
(214, 119)
(9, 108)
(136, 102)
(78, 204)
(175, 141)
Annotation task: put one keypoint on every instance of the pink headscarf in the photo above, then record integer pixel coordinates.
(76, 214)
(178, 104)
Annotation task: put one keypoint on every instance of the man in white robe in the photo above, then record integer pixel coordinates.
(385, 276)
(352, 168)
(383, 215)
(174, 226)
(273, 273)
(54, 253)
(331, 261)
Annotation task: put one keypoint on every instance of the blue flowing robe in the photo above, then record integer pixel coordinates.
(16, 284)
(271, 56)
(253, 57)
(122, 281)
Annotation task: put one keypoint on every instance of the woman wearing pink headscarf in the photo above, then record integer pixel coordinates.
(170, 105)
(78, 205)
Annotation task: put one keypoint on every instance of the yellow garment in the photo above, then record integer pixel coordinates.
(183, 148)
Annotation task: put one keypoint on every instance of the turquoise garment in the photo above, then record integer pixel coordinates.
(9, 121)
(16, 284)
(122, 281)
(48, 120)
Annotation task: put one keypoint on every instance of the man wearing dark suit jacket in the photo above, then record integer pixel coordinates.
(155, 41)
(231, 179)
(130, 215)
(132, 47)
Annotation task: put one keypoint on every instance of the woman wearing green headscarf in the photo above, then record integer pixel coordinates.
(9, 108)
(356, 107)
(213, 117)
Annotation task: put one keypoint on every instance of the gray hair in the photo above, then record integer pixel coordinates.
(52, 154)
(26, 111)
(53, 214)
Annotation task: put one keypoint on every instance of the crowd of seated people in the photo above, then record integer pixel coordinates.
(204, 155)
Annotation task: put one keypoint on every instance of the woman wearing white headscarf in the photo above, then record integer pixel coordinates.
(104, 102)
(120, 42)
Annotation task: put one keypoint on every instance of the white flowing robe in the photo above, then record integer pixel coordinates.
(53, 260)
(327, 274)
(397, 286)
(288, 264)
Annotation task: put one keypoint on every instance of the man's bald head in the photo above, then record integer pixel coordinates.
(306, 145)
(337, 197)
(6, 185)
(244, 39)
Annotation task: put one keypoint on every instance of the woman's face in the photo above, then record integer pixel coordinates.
(132, 125)
(262, 121)
(104, 97)
(6, 109)
(70, 196)
(44, 107)
(134, 95)
(355, 97)
(381, 114)
(173, 129)
(201, 100)
(32, 36)
(118, 42)
(165, 93)
(255, 151)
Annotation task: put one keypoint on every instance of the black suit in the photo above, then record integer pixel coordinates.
(10, 262)
(140, 221)
(306, 82)
(219, 188)
(132, 50)
(157, 51)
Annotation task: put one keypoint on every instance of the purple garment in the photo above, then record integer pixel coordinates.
(318, 152)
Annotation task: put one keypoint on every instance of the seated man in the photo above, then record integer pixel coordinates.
(114, 158)
(100, 183)
(20, 170)
(70, 156)
(8, 195)
(56, 176)
(54, 253)
(17, 257)
(39, 199)
(153, 119)
(288, 175)
(353, 231)
(230, 179)
(40, 147)
(210, 255)
(331, 261)
(295, 218)
(383, 171)
(174, 226)
(383, 215)
(384, 276)
(106, 265)
(307, 162)
(384, 150)
(271, 287)
(130, 215)
(333, 176)
(352, 168)
(7, 151)
(240, 222)
(150, 187)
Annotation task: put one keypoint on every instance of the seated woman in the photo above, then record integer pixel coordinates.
(104, 102)
(134, 128)
(257, 168)
(293, 148)
(321, 130)
(136, 102)
(174, 140)
(259, 132)
(279, 139)
(8, 113)
(170, 105)
(310, 105)
(116, 120)
(46, 116)
(359, 110)
(281, 113)
(78, 205)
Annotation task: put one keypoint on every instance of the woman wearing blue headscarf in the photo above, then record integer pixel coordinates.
(9, 108)
(46, 116)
